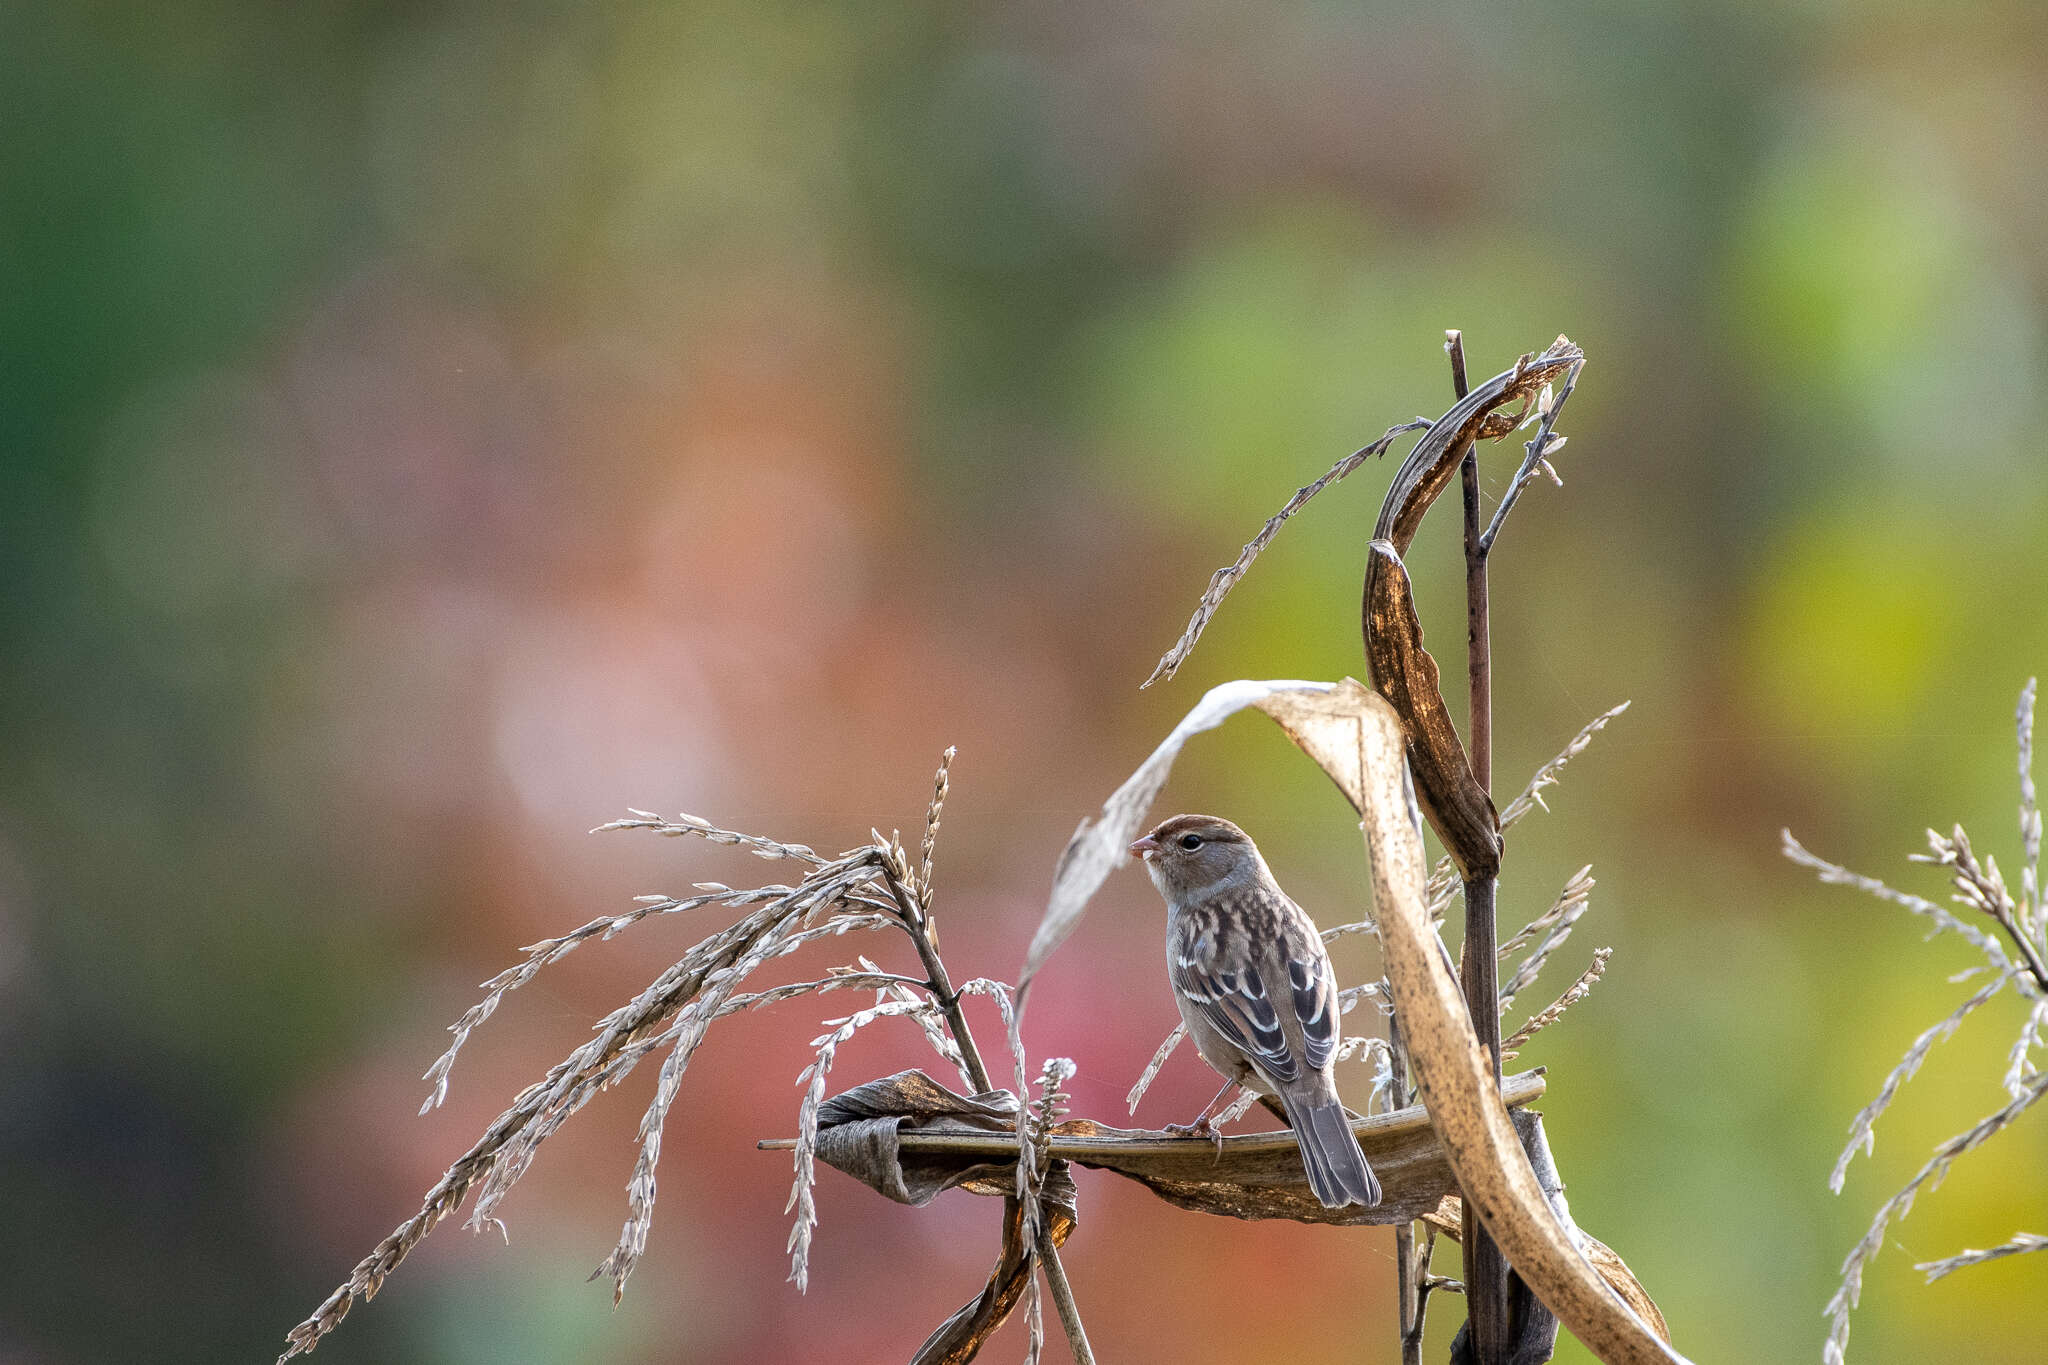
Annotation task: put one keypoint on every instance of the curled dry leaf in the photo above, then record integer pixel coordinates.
(1457, 805)
(959, 1338)
(1429, 468)
(1454, 1075)
(1449, 1220)
(1458, 808)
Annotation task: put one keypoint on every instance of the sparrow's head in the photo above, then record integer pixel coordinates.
(1195, 855)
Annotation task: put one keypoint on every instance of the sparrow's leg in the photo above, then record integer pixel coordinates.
(1202, 1127)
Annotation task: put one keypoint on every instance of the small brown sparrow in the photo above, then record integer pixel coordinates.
(1253, 981)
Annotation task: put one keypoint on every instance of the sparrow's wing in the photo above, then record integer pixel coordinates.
(1311, 989)
(1235, 1004)
(1229, 974)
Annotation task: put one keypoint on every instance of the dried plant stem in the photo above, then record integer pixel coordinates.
(1570, 904)
(941, 981)
(940, 785)
(1577, 991)
(1034, 1322)
(447, 1195)
(1478, 630)
(683, 1038)
(2019, 1245)
(498, 1158)
(1546, 776)
(1979, 886)
(1407, 1300)
(1901, 1204)
(1537, 459)
(1486, 1270)
(1479, 964)
(1226, 578)
(1173, 1040)
(1406, 1267)
(873, 886)
(801, 1194)
(2033, 955)
(2030, 817)
(1555, 926)
(1836, 875)
(2020, 1060)
(1063, 1297)
(1863, 1129)
(933, 1023)
(552, 950)
(698, 827)
(838, 981)
(1411, 1333)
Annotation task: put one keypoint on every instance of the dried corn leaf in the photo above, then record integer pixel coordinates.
(1449, 1220)
(959, 1338)
(1532, 1328)
(1428, 469)
(1457, 806)
(1455, 1076)
(862, 1132)
(909, 1138)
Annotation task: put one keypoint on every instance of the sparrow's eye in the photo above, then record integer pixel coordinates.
(1191, 842)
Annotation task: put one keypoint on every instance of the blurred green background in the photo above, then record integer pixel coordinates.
(426, 430)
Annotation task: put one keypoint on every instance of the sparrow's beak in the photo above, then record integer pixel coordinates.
(1145, 847)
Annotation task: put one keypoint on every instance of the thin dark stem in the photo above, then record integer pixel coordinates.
(1063, 1298)
(1406, 1295)
(1478, 634)
(941, 981)
(1479, 965)
(2023, 943)
(1486, 1270)
(1411, 1333)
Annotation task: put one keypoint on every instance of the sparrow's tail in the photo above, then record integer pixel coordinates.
(1337, 1170)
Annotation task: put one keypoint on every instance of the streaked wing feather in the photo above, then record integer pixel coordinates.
(1312, 988)
(1237, 1006)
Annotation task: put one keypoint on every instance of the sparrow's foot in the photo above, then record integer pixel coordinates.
(1202, 1127)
